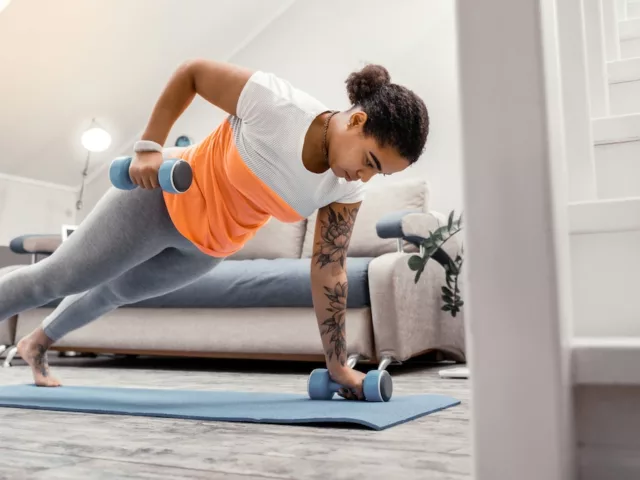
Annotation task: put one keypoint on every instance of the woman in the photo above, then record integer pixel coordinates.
(279, 153)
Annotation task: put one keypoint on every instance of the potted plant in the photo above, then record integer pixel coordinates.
(431, 247)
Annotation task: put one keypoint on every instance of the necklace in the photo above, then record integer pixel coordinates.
(324, 137)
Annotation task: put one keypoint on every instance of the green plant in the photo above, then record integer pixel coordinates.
(432, 248)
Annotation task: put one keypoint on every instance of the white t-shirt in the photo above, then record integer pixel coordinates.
(269, 129)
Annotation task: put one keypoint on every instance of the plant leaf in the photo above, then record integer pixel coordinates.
(450, 222)
(429, 250)
(441, 234)
(428, 253)
(447, 291)
(453, 268)
(416, 263)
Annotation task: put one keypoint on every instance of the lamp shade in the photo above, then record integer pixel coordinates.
(95, 139)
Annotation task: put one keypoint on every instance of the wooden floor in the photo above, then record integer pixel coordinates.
(52, 445)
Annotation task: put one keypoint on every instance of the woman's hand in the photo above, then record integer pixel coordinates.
(351, 381)
(144, 169)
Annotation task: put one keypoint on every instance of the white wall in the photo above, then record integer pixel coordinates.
(315, 45)
(31, 207)
(63, 73)
(93, 190)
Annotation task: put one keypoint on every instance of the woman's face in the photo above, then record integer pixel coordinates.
(355, 157)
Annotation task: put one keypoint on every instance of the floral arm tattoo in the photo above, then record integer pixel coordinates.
(334, 227)
(334, 325)
(335, 235)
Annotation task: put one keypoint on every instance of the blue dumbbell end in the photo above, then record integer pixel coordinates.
(319, 385)
(378, 386)
(119, 173)
(175, 176)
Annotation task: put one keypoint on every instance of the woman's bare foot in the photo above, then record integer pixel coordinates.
(33, 350)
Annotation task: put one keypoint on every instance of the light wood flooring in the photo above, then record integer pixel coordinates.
(55, 445)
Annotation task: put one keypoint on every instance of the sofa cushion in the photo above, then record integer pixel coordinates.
(379, 200)
(275, 239)
(283, 282)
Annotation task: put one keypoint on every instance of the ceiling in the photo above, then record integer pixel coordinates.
(65, 62)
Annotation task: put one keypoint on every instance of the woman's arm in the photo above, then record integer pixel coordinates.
(329, 285)
(217, 82)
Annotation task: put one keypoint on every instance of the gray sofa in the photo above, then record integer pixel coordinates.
(257, 304)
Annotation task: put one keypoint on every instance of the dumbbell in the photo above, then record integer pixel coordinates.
(175, 175)
(377, 386)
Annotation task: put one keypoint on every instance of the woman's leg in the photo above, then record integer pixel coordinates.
(170, 270)
(123, 230)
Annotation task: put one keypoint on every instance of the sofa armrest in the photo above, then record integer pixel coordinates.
(414, 227)
(36, 243)
(407, 317)
(396, 225)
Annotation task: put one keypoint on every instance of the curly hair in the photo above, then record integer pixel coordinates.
(397, 117)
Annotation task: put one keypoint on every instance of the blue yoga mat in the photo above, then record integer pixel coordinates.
(257, 407)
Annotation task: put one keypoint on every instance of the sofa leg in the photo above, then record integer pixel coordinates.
(353, 359)
(10, 354)
(385, 362)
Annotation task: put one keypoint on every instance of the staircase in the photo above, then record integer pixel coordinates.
(605, 251)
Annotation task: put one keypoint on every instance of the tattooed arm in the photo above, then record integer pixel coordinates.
(329, 280)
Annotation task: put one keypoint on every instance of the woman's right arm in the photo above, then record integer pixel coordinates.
(217, 82)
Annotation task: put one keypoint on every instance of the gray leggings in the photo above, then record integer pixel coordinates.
(125, 251)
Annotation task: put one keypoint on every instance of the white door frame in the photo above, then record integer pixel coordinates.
(516, 239)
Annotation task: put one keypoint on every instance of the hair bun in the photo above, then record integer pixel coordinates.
(366, 82)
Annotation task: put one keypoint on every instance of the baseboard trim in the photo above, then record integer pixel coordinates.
(606, 361)
(604, 216)
(184, 353)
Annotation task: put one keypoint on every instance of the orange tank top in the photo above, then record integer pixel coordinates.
(226, 203)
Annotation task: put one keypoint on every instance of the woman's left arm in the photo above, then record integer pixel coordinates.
(329, 285)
